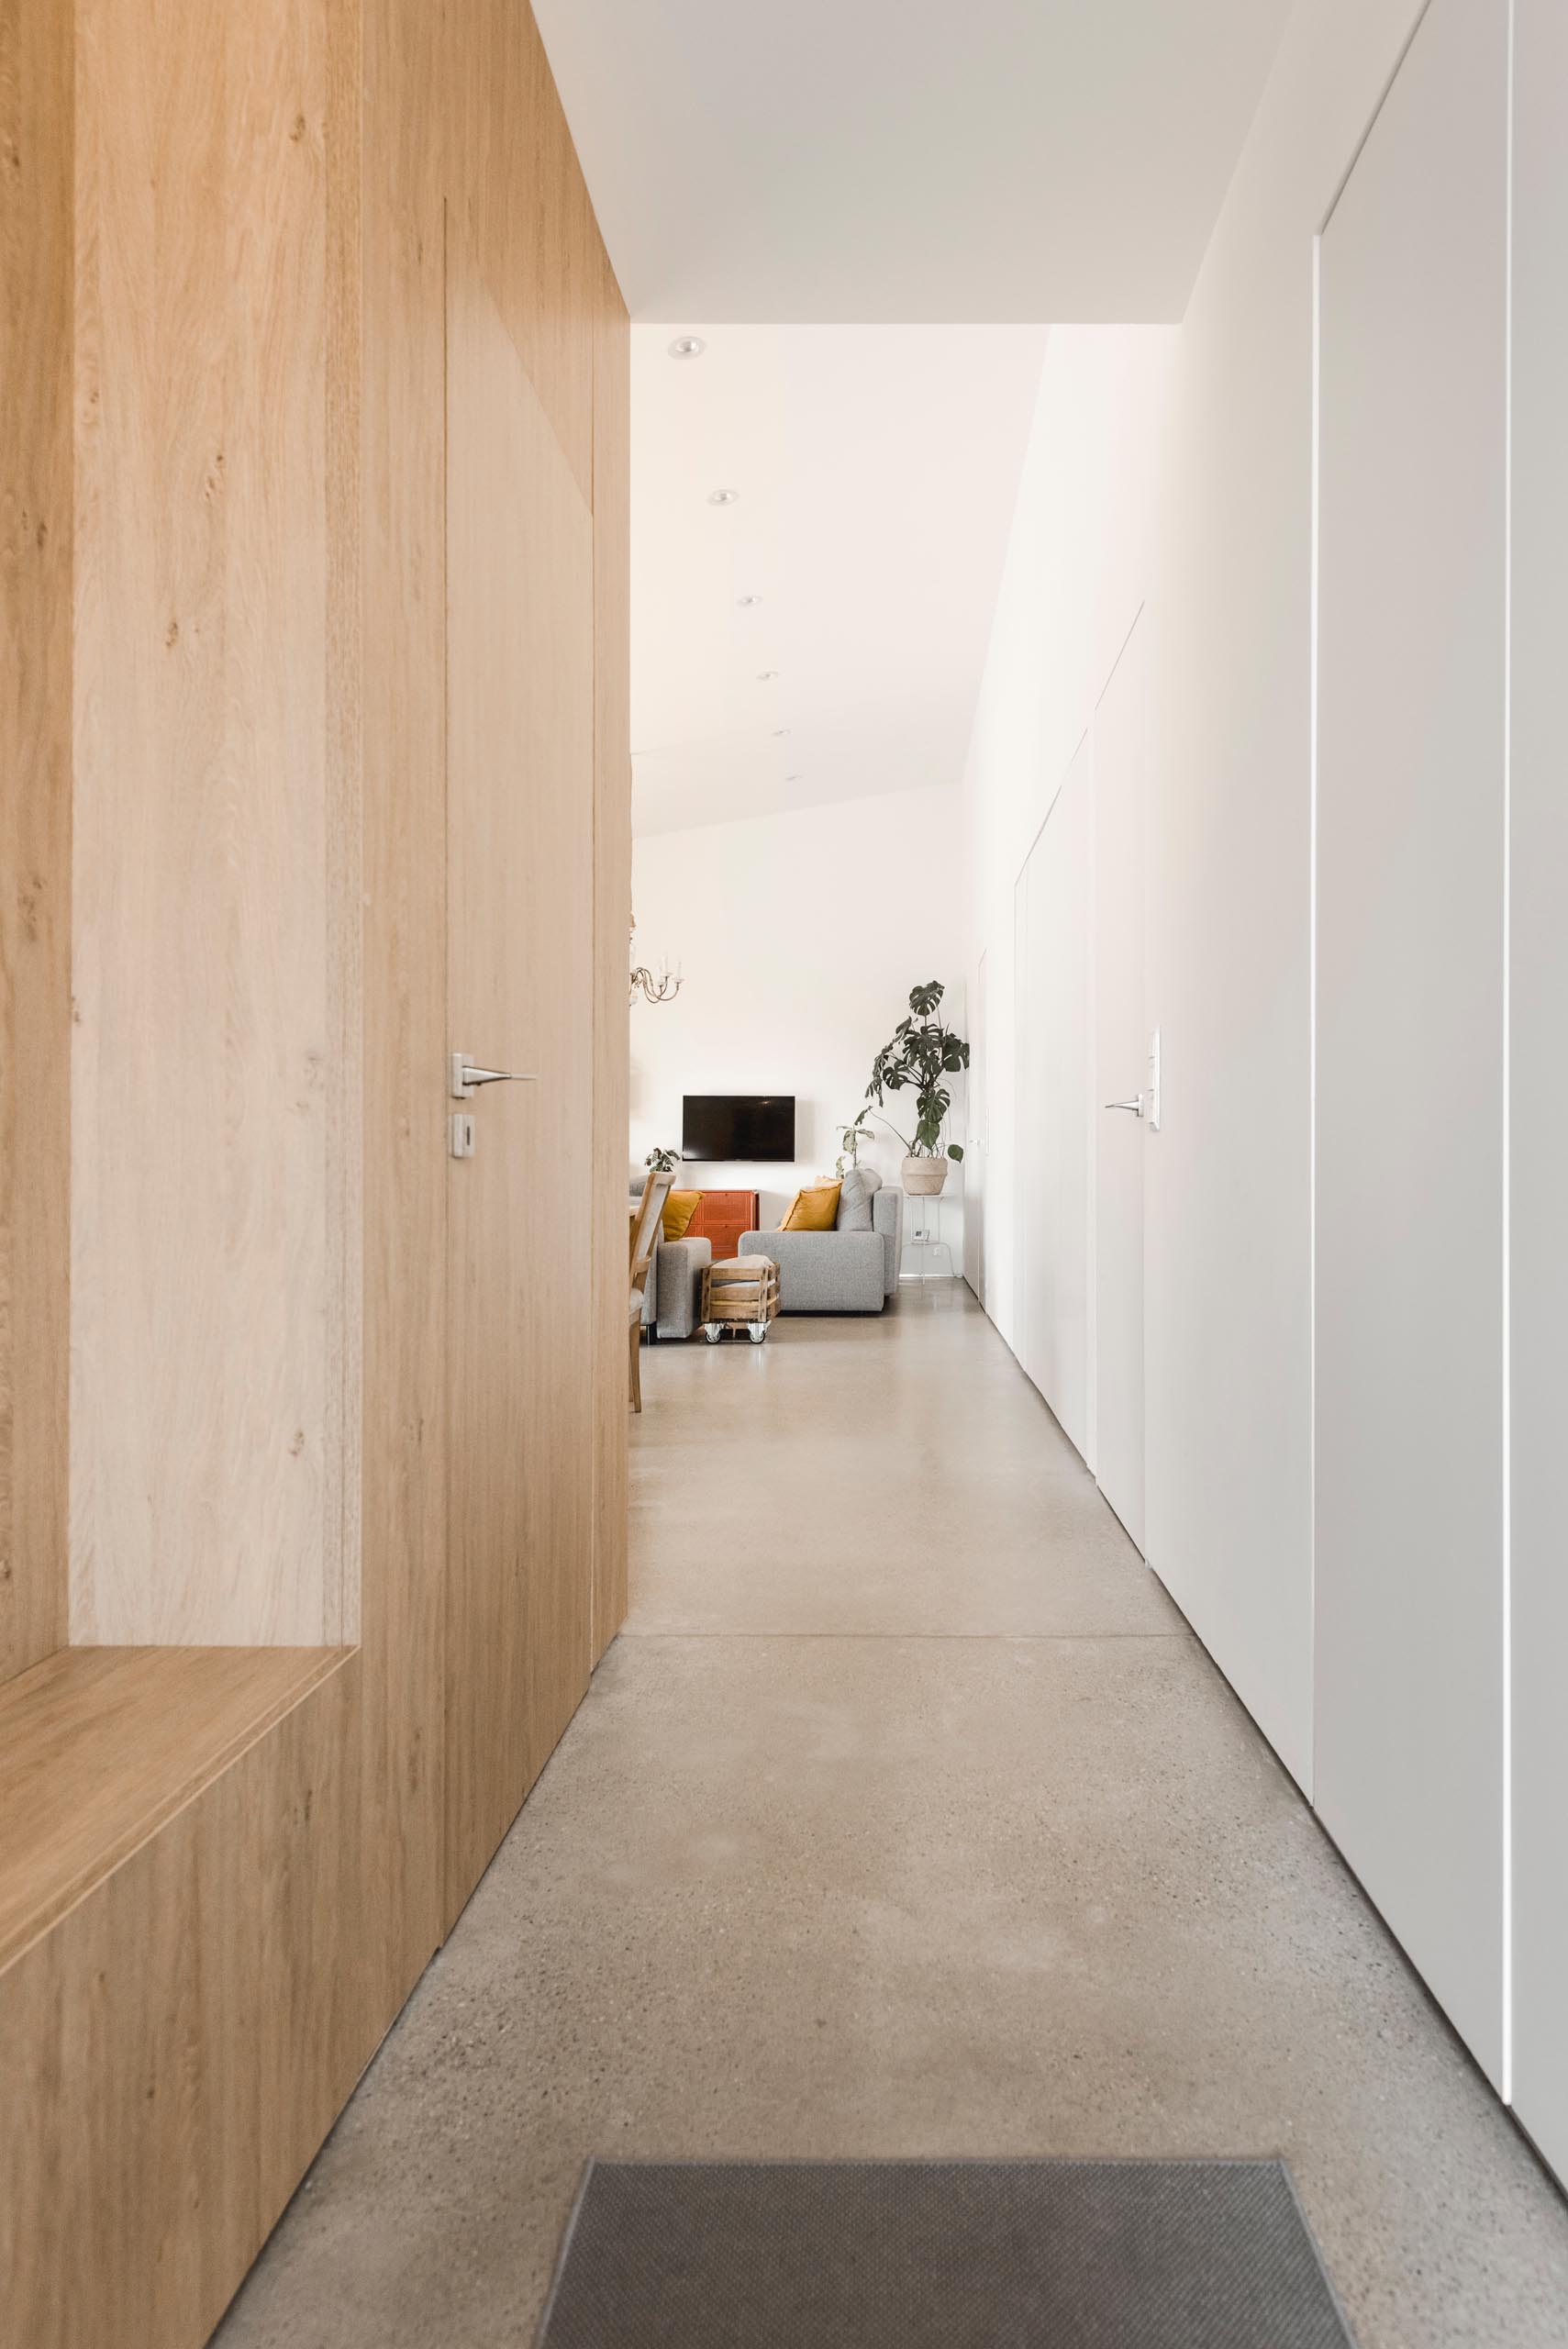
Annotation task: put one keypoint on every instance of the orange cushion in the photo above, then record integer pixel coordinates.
(813, 1210)
(679, 1208)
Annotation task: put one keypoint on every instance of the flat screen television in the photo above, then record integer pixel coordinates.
(748, 1129)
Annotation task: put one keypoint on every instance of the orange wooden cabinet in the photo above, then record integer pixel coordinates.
(722, 1218)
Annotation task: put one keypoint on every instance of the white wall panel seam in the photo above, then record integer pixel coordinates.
(1506, 2083)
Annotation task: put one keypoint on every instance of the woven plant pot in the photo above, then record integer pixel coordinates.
(925, 1176)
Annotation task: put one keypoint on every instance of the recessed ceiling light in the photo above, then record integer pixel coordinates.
(688, 346)
(723, 496)
(766, 676)
(745, 602)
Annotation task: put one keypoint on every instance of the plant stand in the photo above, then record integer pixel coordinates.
(924, 1241)
(740, 1294)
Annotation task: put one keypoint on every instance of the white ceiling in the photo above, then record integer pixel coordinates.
(883, 183)
(876, 468)
(908, 160)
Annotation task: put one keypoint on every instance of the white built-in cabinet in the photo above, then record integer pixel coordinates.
(1409, 1158)
(1441, 1132)
(1438, 781)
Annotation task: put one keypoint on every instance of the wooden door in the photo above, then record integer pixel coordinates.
(521, 993)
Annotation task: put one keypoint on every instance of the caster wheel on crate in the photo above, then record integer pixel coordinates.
(759, 1331)
(711, 1330)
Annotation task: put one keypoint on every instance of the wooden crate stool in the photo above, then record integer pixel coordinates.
(740, 1294)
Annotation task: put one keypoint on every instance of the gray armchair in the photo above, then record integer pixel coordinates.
(674, 1295)
(839, 1270)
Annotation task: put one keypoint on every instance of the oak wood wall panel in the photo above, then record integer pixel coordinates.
(612, 922)
(518, 188)
(36, 278)
(346, 679)
(177, 2046)
(178, 2042)
(214, 953)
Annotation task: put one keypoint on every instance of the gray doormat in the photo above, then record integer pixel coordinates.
(1041, 2254)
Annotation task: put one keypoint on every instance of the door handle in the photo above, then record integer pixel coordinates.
(1135, 1105)
(467, 1079)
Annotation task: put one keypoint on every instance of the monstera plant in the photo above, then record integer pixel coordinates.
(921, 1052)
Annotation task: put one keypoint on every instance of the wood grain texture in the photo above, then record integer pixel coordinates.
(181, 2041)
(36, 278)
(516, 185)
(99, 1747)
(612, 923)
(402, 465)
(213, 937)
(342, 1455)
(177, 2044)
(520, 996)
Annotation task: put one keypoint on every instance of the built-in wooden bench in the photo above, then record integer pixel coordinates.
(99, 1748)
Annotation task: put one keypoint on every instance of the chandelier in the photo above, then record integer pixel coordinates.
(662, 989)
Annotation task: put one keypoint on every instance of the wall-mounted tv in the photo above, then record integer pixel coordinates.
(748, 1129)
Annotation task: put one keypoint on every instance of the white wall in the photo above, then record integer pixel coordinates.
(1077, 569)
(1179, 473)
(799, 936)
(1177, 465)
(1228, 1269)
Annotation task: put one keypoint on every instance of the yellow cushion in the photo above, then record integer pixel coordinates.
(813, 1210)
(679, 1208)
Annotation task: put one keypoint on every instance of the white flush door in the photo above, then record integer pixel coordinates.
(1122, 1100)
(1539, 1104)
(1053, 1203)
(976, 1143)
(1409, 1331)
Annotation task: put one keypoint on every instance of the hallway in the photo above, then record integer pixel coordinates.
(905, 1817)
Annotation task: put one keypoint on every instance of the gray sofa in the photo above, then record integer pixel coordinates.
(839, 1270)
(674, 1295)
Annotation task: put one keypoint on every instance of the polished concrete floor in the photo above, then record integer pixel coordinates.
(906, 1817)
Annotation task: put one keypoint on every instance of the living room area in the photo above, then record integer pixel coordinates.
(797, 1121)
(820, 517)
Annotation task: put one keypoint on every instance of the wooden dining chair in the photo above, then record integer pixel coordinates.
(645, 1219)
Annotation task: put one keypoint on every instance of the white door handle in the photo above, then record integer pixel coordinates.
(1135, 1105)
